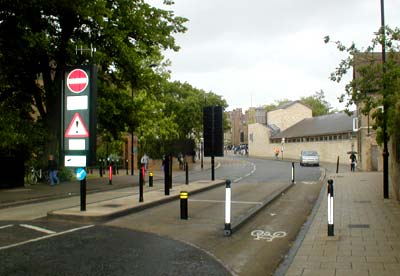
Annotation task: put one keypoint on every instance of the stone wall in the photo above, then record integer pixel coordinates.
(259, 145)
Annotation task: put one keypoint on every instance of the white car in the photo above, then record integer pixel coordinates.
(309, 157)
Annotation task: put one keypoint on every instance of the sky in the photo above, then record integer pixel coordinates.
(257, 52)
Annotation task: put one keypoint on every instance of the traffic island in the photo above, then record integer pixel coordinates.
(113, 208)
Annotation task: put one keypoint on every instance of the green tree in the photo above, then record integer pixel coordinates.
(39, 38)
(276, 104)
(375, 86)
(317, 103)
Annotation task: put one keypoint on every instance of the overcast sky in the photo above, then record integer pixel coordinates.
(255, 52)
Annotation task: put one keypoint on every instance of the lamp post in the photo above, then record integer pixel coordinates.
(385, 109)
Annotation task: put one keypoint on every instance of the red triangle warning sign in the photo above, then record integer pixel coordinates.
(77, 128)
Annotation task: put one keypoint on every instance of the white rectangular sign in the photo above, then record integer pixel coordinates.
(75, 161)
(77, 102)
(76, 144)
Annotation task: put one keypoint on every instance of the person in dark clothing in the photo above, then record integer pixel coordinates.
(52, 167)
(353, 160)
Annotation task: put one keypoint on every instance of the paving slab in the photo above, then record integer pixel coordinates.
(367, 233)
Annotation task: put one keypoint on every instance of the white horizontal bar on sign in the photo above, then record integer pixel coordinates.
(75, 161)
(77, 102)
(76, 144)
(77, 80)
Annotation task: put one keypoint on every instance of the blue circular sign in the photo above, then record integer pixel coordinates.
(80, 173)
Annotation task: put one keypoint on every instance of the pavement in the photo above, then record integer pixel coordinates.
(366, 237)
(95, 184)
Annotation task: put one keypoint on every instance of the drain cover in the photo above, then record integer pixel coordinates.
(112, 205)
(358, 225)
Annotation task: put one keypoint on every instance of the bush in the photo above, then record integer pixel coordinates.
(64, 174)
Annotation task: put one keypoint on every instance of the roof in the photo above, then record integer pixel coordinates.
(274, 129)
(321, 125)
(288, 104)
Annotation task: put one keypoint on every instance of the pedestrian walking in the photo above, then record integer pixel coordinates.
(276, 151)
(145, 161)
(53, 169)
(353, 160)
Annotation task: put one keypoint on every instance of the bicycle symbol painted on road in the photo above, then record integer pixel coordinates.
(265, 235)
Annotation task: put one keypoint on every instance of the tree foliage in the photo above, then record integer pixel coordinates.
(39, 38)
(317, 103)
(377, 84)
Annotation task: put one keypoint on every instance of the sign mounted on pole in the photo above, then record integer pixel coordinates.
(77, 128)
(77, 81)
(78, 122)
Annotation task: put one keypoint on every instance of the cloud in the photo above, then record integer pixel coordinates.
(258, 51)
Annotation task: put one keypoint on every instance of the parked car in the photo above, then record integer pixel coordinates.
(309, 157)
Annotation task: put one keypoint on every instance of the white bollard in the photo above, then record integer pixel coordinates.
(331, 230)
(227, 229)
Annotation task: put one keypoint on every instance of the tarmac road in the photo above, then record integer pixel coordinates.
(131, 244)
(102, 250)
(254, 249)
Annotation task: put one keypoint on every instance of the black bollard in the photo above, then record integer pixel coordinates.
(170, 171)
(292, 172)
(337, 165)
(166, 175)
(187, 172)
(184, 204)
(141, 176)
(101, 168)
(150, 179)
(83, 194)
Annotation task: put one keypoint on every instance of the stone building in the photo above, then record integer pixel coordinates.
(238, 133)
(369, 152)
(292, 129)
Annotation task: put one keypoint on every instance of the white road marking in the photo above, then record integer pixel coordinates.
(36, 228)
(246, 175)
(45, 237)
(223, 201)
(265, 235)
(309, 182)
(6, 226)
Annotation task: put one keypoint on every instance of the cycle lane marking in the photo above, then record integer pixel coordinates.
(266, 235)
(46, 237)
(39, 229)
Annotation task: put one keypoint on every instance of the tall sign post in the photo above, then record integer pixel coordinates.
(213, 133)
(78, 121)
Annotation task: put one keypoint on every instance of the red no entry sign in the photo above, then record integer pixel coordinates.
(77, 80)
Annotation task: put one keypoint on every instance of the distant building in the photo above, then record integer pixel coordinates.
(238, 133)
(291, 128)
(369, 152)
